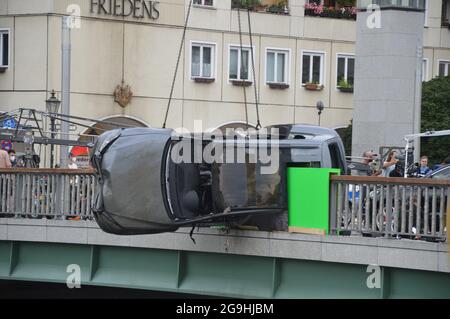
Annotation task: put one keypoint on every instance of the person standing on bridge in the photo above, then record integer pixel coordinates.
(424, 169)
(13, 158)
(4, 163)
(389, 164)
(4, 159)
(368, 160)
(444, 162)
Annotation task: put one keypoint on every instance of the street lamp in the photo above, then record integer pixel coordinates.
(320, 108)
(52, 107)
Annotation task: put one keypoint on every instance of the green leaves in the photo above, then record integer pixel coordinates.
(245, 3)
(436, 117)
(346, 3)
(345, 85)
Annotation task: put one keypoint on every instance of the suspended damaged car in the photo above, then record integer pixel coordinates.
(154, 180)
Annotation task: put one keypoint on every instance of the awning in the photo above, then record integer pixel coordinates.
(79, 151)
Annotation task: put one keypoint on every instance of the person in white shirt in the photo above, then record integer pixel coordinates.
(73, 162)
(390, 163)
(4, 159)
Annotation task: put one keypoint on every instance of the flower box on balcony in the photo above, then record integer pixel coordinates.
(280, 86)
(312, 9)
(203, 80)
(345, 89)
(269, 6)
(313, 87)
(277, 9)
(260, 8)
(252, 5)
(241, 82)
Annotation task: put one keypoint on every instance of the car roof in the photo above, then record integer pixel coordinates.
(291, 134)
(442, 168)
(307, 141)
(437, 171)
(305, 129)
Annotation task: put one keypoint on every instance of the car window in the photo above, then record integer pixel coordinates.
(443, 174)
(336, 161)
(312, 164)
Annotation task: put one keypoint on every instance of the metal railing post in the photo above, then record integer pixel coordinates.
(333, 208)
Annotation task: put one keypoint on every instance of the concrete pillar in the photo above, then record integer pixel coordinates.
(387, 74)
(65, 87)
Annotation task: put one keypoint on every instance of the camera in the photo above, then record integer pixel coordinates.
(399, 169)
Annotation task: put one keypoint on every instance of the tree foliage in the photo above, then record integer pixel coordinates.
(346, 136)
(436, 117)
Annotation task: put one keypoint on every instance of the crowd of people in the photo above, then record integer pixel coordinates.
(390, 167)
(8, 159)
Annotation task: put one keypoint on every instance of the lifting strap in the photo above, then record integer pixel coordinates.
(258, 123)
(178, 63)
(242, 65)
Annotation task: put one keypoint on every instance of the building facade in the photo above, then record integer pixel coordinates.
(303, 53)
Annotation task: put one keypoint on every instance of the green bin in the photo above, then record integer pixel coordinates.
(308, 199)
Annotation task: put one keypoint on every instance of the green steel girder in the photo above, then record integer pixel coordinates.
(212, 274)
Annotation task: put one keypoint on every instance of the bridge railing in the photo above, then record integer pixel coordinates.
(50, 193)
(390, 207)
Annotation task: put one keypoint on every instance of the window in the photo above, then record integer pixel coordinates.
(4, 49)
(312, 67)
(444, 67)
(425, 23)
(445, 12)
(204, 2)
(240, 64)
(345, 69)
(424, 70)
(413, 4)
(306, 164)
(277, 66)
(202, 60)
(336, 158)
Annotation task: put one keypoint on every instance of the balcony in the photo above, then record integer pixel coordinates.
(337, 9)
(265, 6)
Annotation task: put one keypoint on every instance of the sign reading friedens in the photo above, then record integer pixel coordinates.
(125, 8)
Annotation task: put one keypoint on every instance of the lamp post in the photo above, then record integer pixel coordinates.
(52, 107)
(320, 106)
